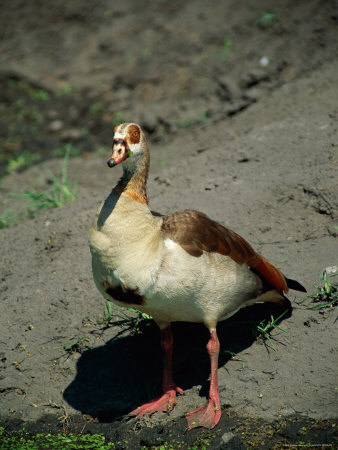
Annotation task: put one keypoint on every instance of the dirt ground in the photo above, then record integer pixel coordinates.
(239, 101)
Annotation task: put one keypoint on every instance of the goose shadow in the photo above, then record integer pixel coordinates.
(115, 378)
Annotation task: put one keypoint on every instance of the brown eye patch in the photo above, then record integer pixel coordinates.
(134, 134)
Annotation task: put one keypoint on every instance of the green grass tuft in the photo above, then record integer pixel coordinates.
(74, 345)
(23, 440)
(326, 296)
(266, 19)
(223, 53)
(60, 193)
(24, 160)
(131, 323)
(264, 328)
(6, 218)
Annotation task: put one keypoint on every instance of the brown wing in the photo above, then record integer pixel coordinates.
(195, 233)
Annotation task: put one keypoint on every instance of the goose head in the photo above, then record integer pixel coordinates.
(129, 146)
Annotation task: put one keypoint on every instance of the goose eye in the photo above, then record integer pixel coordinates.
(134, 134)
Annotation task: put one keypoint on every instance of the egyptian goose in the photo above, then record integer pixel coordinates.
(179, 267)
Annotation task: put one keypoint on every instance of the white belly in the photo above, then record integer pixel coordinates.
(199, 289)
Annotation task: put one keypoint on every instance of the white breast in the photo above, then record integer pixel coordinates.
(126, 247)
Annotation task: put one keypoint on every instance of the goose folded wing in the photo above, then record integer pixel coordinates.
(197, 233)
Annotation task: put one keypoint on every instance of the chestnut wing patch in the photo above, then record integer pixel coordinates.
(195, 233)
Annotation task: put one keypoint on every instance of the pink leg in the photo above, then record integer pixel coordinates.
(168, 399)
(208, 415)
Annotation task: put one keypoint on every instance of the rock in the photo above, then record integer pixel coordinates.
(287, 411)
(330, 270)
(55, 126)
(226, 437)
(74, 134)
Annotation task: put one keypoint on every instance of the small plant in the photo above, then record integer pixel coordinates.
(326, 296)
(41, 95)
(24, 160)
(146, 53)
(108, 312)
(223, 53)
(233, 356)
(266, 19)
(131, 322)
(23, 440)
(60, 193)
(96, 109)
(264, 328)
(6, 218)
(141, 314)
(66, 88)
(162, 163)
(74, 346)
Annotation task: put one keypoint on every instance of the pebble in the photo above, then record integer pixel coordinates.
(287, 411)
(56, 125)
(331, 270)
(74, 134)
(263, 62)
(226, 437)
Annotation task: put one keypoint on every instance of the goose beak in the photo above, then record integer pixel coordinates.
(119, 153)
(111, 163)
